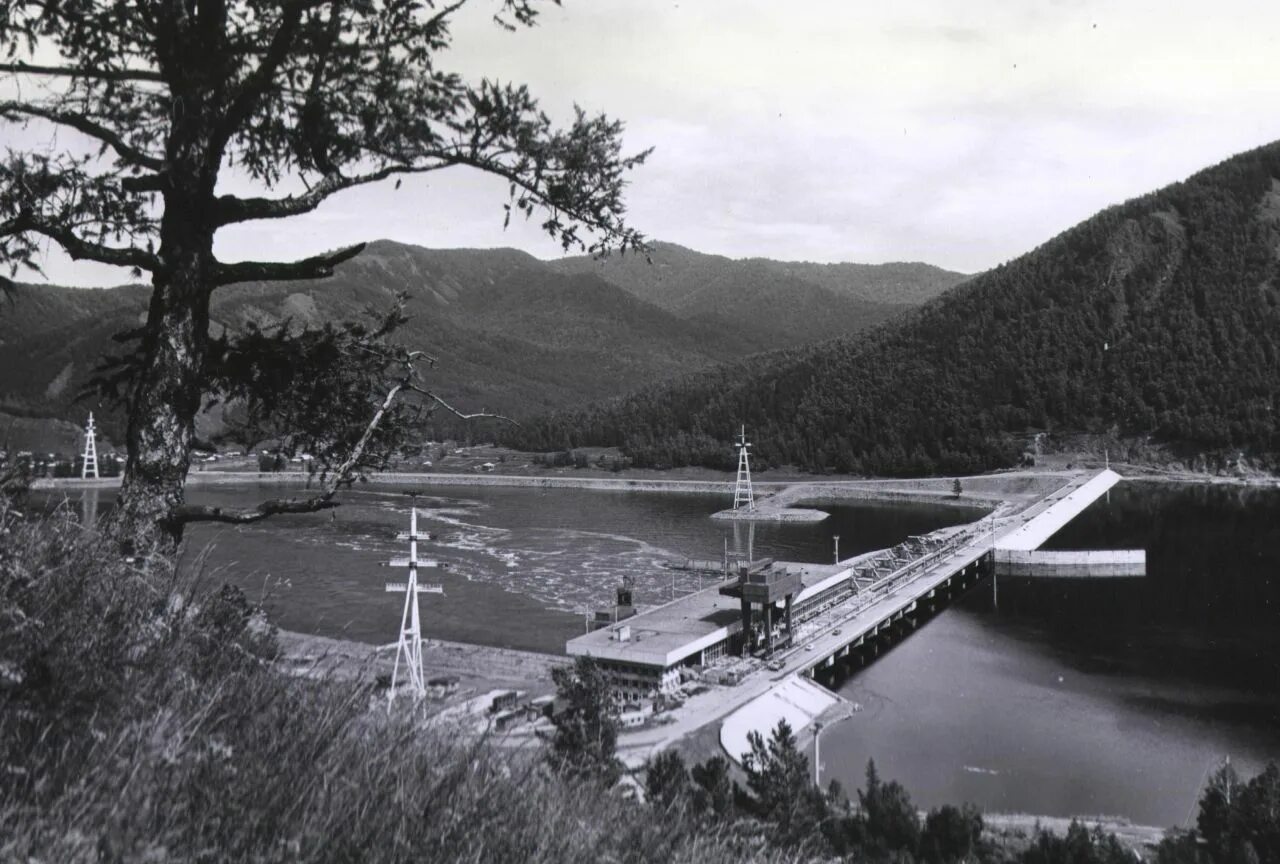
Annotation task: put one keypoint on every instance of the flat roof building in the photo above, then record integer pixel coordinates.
(645, 653)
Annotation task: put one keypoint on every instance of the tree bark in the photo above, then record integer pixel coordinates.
(165, 399)
(169, 387)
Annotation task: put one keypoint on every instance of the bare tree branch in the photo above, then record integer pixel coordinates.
(315, 267)
(343, 476)
(244, 516)
(79, 248)
(231, 209)
(477, 416)
(143, 183)
(89, 127)
(74, 72)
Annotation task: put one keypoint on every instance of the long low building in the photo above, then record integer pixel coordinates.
(645, 653)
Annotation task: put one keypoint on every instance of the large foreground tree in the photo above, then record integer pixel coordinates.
(314, 96)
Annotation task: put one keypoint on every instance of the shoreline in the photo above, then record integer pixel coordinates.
(485, 669)
(800, 490)
(1011, 827)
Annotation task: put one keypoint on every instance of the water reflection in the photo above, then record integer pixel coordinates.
(1092, 696)
(89, 506)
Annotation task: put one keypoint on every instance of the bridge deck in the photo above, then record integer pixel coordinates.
(874, 613)
(922, 577)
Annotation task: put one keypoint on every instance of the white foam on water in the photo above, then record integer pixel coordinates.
(559, 568)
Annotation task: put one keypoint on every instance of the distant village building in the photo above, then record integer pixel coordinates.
(504, 701)
(443, 685)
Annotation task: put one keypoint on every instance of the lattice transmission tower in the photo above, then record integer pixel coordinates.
(409, 647)
(743, 498)
(90, 460)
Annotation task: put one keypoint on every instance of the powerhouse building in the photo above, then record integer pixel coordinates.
(644, 654)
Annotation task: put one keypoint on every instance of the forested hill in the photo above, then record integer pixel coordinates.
(779, 303)
(513, 334)
(1156, 319)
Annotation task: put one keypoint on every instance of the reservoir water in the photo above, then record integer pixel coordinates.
(522, 563)
(1060, 698)
(1105, 697)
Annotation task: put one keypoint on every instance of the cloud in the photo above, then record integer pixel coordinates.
(961, 134)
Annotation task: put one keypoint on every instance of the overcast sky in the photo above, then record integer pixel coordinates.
(958, 133)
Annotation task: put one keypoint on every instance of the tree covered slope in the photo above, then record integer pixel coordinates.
(1155, 320)
(513, 334)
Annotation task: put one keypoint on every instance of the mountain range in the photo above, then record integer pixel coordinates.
(777, 304)
(513, 333)
(1155, 322)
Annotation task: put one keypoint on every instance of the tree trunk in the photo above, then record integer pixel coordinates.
(165, 399)
(169, 387)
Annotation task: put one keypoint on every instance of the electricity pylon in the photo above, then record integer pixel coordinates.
(409, 647)
(742, 494)
(90, 459)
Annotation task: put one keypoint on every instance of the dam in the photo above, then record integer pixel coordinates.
(764, 625)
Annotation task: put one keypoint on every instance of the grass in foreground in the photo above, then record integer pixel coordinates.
(141, 720)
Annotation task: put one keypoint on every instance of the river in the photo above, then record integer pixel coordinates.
(1059, 698)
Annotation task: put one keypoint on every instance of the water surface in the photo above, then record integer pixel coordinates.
(1091, 697)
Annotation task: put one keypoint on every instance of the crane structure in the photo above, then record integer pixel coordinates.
(743, 498)
(409, 646)
(90, 460)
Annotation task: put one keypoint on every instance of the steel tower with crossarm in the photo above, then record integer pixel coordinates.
(409, 648)
(90, 460)
(743, 498)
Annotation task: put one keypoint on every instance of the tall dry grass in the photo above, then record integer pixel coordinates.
(141, 719)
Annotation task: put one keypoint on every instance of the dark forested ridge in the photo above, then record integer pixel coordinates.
(1155, 320)
(513, 334)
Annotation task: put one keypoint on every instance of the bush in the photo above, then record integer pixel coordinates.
(586, 733)
(1079, 846)
(951, 834)
(272, 462)
(713, 789)
(666, 781)
(891, 821)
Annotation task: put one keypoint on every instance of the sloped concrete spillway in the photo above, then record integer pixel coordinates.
(796, 699)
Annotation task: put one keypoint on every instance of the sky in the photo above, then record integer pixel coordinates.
(962, 134)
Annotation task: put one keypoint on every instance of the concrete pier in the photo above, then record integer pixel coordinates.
(1073, 564)
(1048, 516)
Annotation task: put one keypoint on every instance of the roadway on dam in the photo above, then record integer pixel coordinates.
(851, 623)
